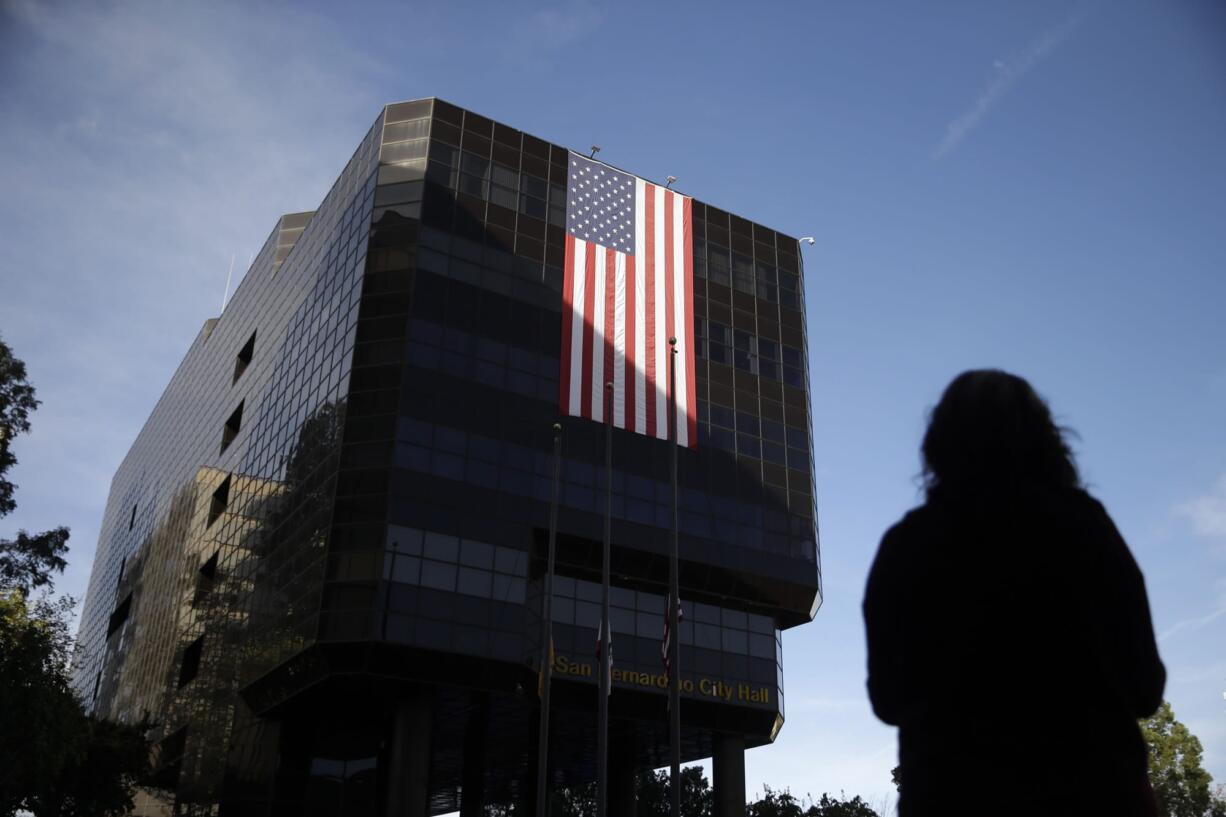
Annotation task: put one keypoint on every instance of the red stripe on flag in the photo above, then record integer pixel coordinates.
(610, 324)
(650, 272)
(669, 289)
(589, 301)
(630, 411)
(568, 317)
(691, 360)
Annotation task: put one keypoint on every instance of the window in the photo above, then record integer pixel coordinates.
(221, 498)
(232, 427)
(119, 616)
(209, 568)
(132, 520)
(191, 661)
(742, 274)
(244, 358)
(718, 268)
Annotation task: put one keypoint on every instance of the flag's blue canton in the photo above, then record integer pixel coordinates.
(600, 204)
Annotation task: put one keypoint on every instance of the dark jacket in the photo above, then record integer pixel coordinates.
(1011, 643)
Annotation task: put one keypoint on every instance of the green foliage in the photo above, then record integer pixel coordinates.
(829, 806)
(1180, 784)
(783, 804)
(655, 793)
(39, 715)
(653, 796)
(28, 562)
(16, 403)
(55, 761)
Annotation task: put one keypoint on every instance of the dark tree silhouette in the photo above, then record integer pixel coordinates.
(55, 761)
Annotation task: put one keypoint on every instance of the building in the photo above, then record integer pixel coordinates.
(320, 570)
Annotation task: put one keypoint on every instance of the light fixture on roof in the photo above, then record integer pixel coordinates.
(671, 179)
(808, 238)
(595, 150)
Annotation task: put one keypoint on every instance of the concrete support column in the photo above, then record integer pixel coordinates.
(622, 800)
(408, 773)
(728, 771)
(526, 796)
(472, 777)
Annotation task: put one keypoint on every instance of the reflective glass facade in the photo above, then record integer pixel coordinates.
(341, 501)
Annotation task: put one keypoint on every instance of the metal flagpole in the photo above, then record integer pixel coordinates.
(602, 739)
(674, 599)
(542, 756)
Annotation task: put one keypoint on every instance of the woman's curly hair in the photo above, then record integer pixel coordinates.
(991, 434)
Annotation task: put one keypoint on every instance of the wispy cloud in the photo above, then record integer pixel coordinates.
(1006, 73)
(1207, 514)
(141, 146)
(536, 39)
(1218, 610)
(565, 23)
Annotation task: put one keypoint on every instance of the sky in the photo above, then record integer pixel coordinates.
(1034, 186)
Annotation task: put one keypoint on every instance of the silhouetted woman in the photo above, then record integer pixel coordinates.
(1009, 635)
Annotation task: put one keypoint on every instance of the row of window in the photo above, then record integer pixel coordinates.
(749, 352)
(740, 272)
(745, 525)
(472, 568)
(501, 366)
(455, 565)
(491, 140)
(634, 653)
(517, 370)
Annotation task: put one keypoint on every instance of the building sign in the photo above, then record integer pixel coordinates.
(728, 692)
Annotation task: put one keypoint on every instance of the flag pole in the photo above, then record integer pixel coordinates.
(602, 747)
(542, 756)
(674, 599)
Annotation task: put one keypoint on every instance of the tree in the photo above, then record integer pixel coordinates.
(784, 804)
(1181, 785)
(829, 806)
(655, 792)
(54, 760)
(16, 402)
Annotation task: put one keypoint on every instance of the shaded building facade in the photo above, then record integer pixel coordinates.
(321, 565)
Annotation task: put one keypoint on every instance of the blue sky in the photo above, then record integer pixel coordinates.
(1038, 186)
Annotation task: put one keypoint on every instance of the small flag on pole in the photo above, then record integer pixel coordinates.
(540, 676)
(610, 657)
(666, 644)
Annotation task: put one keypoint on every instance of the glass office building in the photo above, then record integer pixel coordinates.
(321, 566)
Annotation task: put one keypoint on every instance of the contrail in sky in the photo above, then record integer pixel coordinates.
(1007, 73)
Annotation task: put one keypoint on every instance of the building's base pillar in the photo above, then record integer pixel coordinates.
(472, 778)
(526, 799)
(408, 777)
(728, 771)
(622, 800)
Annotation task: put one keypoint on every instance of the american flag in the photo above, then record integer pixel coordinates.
(628, 288)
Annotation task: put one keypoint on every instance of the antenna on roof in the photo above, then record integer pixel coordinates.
(595, 150)
(226, 295)
(671, 179)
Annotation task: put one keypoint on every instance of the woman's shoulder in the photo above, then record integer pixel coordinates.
(1075, 503)
(914, 525)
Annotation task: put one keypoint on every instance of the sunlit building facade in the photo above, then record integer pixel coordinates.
(321, 566)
